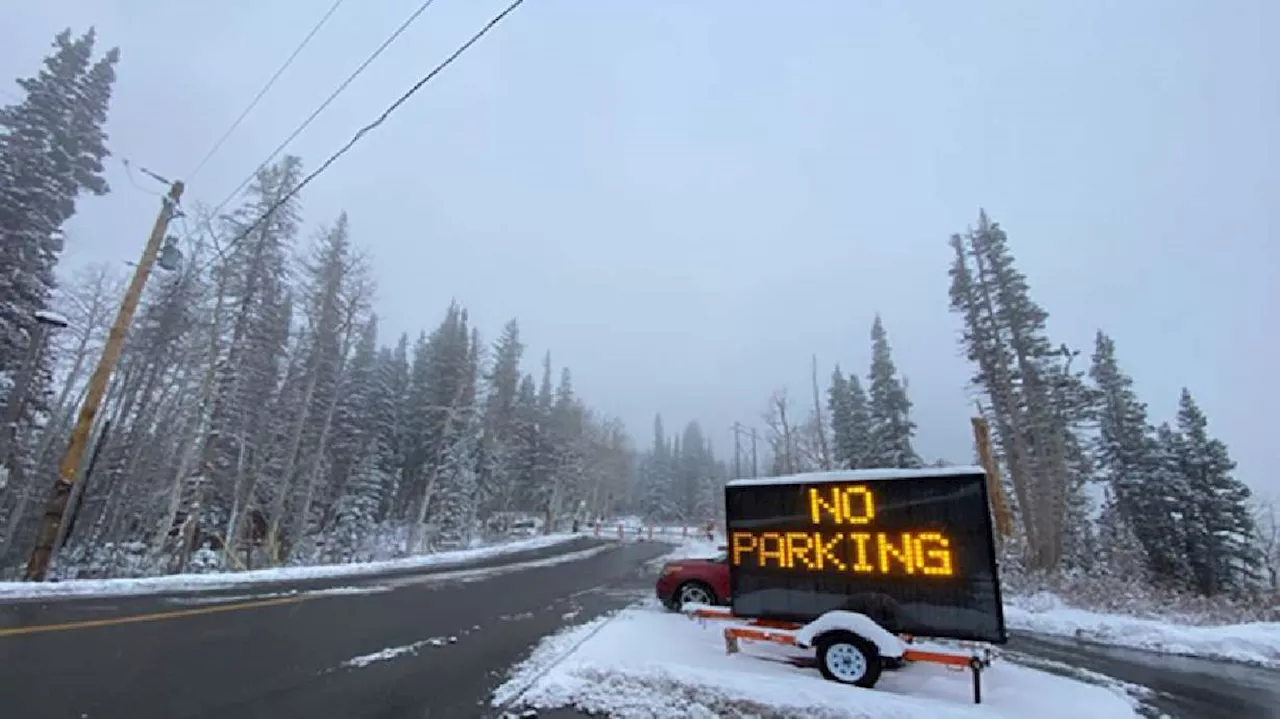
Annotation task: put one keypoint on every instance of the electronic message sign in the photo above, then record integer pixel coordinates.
(912, 549)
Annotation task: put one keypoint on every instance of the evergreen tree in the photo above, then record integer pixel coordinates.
(1018, 368)
(459, 505)
(889, 410)
(1145, 487)
(850, 421)
(657, 477)
(498, 444)
(841, 410)
(1217, 518)
(1121, 556)
(52, 147)
(524, 463)
(357, 511)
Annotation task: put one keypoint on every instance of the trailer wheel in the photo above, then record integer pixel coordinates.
(847, 658)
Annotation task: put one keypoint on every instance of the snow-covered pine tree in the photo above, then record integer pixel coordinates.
(446, 403)
(889, 410)
(356, 511)
(1129, 460)
(523, 465)
(543, 459)
(259, 305)
(850, 421)
(693, 468)
(1121, 557)
(656, 473)
(498, 450)
(859, 425)
(1219, 524)
(356, 424)
(841, 412)
(1074, 403)
(457, 508)
(394, 374)
(52, 146)
(565, 436)
(1004, 334)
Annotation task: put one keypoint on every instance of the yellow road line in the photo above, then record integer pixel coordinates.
(154, 617)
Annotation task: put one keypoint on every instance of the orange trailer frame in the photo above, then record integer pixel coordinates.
(780, 632)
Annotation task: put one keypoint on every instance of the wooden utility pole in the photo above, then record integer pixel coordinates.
(50, 524)
(737, 450)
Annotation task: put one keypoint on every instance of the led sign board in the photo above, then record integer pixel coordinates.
(913, 549)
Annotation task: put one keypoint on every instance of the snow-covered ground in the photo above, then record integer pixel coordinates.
(195, 582)
(1255, 643)
(646, 663)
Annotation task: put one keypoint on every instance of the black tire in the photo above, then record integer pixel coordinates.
(847, 658)
(678, 597)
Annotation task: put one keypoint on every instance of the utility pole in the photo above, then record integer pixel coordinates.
(737, 450)
(51, 523)
(738, 431)
(755, 465)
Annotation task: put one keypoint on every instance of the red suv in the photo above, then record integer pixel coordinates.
(704, 581)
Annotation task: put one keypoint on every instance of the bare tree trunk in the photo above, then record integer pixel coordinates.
(1007, 413)
(197, 427)
(824, 457)
(313, 474)
(291, 454)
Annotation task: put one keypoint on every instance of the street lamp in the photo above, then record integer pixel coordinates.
(18, 395)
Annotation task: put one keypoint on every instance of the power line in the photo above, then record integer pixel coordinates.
(333, 96)
(380, 119)
(265, 88)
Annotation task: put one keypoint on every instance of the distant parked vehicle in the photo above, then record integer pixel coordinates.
(694, 581)
(525, 527)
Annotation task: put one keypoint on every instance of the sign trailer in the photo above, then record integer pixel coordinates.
(858, 564)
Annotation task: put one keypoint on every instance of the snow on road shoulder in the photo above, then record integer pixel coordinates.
(1254, 643)
(196, 582)
(643, 663)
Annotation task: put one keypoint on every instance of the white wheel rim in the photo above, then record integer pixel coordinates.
(846, 662)
(694, 595)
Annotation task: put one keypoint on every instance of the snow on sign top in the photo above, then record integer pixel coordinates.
(859, 475)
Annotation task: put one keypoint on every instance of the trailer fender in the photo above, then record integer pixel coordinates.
(859, 624)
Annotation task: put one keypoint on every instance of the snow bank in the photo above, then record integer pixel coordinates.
(643, 663)
(195, 582)
(1045, 613)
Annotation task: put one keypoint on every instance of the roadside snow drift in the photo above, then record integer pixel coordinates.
(643, 663)
(1255, 643)
(195, 582)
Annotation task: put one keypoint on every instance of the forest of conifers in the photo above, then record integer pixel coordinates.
(257, 415)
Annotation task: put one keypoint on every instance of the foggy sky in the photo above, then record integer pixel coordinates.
(684, 200)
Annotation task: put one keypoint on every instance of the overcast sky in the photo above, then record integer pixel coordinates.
(685, 199)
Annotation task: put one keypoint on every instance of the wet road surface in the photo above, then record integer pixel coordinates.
(1180, 687)
(423, 646)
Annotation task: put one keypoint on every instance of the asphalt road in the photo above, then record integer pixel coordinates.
(311, 649)
(266, 652)
(1180, 687)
